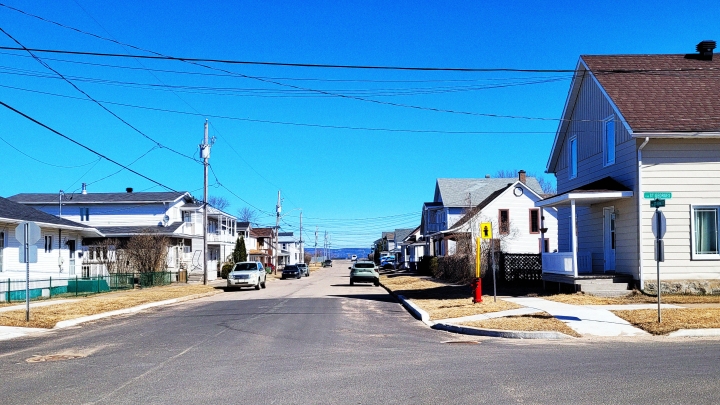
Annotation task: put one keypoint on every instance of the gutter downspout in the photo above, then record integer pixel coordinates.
(639, 214)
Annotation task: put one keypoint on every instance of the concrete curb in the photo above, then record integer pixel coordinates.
(89, 318)
(508, 334)
(714, 332)
(415, 310)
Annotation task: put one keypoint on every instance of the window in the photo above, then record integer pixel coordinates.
(609, 141)
(84, 214)
(573, 158)
(504, 221)
(534, 220)
(2, 249)
(48, 244)
(705, 233)
(186, 216)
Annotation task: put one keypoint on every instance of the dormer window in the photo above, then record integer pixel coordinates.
(609, 141)
(573, 157)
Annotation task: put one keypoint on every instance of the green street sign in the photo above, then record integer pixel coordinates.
(654, 195)
(657, 203)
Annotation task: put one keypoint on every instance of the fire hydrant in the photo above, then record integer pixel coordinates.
(476, 286)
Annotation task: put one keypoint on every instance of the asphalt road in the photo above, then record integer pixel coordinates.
(319, 341)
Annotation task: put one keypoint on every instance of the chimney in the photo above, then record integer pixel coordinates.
(521, 176)
(84, 188)
(705, 48)
(129, 190)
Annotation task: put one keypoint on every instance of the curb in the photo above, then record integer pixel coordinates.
(424, 317)
(89, 318)
(710, 332)
(508, 334)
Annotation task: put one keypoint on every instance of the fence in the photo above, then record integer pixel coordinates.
(14, 290)
(516, 267)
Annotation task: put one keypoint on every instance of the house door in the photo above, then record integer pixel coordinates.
(609, 238)
(71, 248)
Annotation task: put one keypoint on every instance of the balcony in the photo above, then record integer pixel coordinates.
(218, 237)
(562, 263)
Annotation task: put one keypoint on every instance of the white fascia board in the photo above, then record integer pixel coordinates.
(581, 196)
(680, 135)
(45, 225)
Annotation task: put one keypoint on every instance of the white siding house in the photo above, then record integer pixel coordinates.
(627, 133)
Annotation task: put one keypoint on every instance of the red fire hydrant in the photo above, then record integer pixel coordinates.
(476, 286)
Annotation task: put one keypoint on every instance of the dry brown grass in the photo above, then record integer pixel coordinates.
(635, 297)
(672, 319)
(48, 316)
(442, 301)
(541, 322)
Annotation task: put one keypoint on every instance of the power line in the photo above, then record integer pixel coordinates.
(46, 163)
(94, 100)
(83, 146)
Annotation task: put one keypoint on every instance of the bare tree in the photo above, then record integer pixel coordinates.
(218, 202)
(147, 252)
(546, 185)
(104, 253)
(246, 214)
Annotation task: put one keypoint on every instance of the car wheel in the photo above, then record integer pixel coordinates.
(377, 283)
(352, 282)
(257, 286)
(263, 283)
(282, 278)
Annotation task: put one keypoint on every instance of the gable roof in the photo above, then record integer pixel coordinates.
(401, 234)
(261, 232)
(661, 93)
(117, 231)
(15, 212)
(455, 192)
(480, 206)
(100, 198)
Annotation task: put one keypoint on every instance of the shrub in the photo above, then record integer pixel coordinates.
(427, 266)
(458, 268)
(226, 269)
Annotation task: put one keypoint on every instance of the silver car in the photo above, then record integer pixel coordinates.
(247, 274)
(304, 268)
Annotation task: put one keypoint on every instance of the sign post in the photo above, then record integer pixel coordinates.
(477, 283)
(27, 233)
(659, 227)
(486, 233)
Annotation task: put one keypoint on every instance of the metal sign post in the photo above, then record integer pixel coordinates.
(486, 233)
(659, 227)
(27, 233)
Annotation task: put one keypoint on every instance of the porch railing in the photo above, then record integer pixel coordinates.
(562, 263)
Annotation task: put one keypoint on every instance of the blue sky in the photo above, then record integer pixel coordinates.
(278, 129)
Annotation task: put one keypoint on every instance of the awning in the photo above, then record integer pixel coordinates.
(600, 191)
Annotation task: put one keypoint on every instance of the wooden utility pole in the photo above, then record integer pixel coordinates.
(205, 154)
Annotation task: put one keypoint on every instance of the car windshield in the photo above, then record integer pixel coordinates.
(290, 267)
(364, 265)
(245, 266)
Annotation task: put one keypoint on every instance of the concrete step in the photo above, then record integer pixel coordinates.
(608, 293)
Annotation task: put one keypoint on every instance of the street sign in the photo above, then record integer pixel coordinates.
(653, 195)
(33, 232)
(663, 225)
(486, 230)
(27, 233)
(656, 203)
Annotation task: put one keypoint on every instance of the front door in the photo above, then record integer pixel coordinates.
(609, 238)
(71, 248)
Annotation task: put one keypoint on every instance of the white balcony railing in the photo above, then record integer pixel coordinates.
(220, 237)
(562, 263)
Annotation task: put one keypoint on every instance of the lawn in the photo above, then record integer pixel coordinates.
(672, 319)
(540, 322)
(48, 316)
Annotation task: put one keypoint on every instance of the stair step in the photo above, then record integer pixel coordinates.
(604, 287)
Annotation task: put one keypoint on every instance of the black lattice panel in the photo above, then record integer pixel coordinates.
(521, 267)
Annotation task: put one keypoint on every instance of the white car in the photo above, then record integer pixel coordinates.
(247, 274)
(353, 258)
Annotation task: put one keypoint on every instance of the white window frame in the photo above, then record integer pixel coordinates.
(2, 249)
(48, 243)
(693, 254)
(607, 161)
(573, 163)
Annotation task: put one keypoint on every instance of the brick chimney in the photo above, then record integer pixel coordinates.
(521, 176)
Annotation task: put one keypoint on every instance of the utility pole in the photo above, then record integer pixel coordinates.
(278, 208)
(302, 250)
(326, 247)
(315, 250)
(60, 259)
(205, 154)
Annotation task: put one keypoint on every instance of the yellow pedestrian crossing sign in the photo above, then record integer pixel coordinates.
(486, 230)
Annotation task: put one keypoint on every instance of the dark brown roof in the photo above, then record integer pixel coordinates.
(261, 232)
(662, 93)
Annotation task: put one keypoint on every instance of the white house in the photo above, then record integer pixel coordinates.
(413, 249)
(631, 130)
(289, 249)
(58, 253)
(515, 221)
(121, 215)
(454, 198)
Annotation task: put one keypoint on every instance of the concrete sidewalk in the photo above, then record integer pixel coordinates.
(585, 320)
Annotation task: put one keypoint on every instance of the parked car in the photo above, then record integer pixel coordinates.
(364, 272)
(247, 274)
(327, 263)
(291, 271)
(353, 258)
(304, 267)
(387, 262)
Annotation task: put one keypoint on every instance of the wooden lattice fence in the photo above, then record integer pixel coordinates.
(520, 267)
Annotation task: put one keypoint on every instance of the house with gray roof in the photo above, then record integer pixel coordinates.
(57, 251)
(453, 199)
(636, 128)
(176, 215)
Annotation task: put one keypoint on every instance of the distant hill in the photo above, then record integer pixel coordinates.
(343, 253)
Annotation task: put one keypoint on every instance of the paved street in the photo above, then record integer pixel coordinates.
(318, 340)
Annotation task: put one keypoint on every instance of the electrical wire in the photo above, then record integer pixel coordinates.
(46, 163)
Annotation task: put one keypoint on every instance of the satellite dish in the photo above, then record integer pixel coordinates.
(166, 219)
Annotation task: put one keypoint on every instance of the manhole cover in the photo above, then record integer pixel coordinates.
(53, 357)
